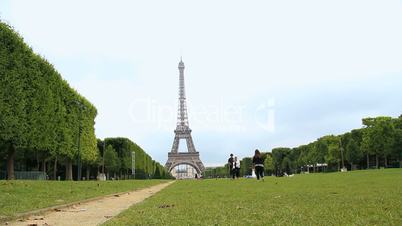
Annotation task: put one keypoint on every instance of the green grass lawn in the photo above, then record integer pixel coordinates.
(21, 196)
(371, 197)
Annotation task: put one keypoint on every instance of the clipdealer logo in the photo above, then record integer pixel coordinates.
(265, 115)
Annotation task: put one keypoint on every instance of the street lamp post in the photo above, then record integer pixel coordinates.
(81, 108)
(79, 152)
(343, 162)
(103, 157)
(133, 163)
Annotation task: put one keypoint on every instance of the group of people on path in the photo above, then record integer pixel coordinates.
(258, 165)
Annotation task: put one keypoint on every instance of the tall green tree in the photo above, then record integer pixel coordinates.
(397, 147)
(279, 154)
(112, 161)
(378, 137)
(334, 154)
(352, 152)
(246, 166)
(268, 164)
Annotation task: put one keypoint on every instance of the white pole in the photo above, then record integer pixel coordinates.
(133, 163)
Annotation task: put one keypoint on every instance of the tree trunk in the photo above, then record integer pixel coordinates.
(351, 166)
(386, 161)
(44, 166)
(69, 169)
(368, 161)
(55, 169)
(37, 162)
(88, 172)
(376, 161)
(10, 163)
(26, 165)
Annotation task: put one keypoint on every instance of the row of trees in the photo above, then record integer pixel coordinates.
(122, 156)
(45, 124)
(41, 116)
(377, 144)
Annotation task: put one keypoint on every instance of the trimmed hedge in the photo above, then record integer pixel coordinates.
(39, 112)
(145, 166)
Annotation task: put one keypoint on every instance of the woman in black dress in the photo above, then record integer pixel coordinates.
(258, 164)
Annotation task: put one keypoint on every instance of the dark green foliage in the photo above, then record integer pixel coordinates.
(217, 172)
(281, 160)
(112, 161)
(397, 147)
(41, 117)
(246, 166)
(157, 174)
(380, 138)
(39, 112)
(268, 164)
(120, 162)
(351, 143)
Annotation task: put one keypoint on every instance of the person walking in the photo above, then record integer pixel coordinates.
(258, 165)
(236, 168)
(230, 165)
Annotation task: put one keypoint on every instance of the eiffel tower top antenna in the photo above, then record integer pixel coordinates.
(182, 116)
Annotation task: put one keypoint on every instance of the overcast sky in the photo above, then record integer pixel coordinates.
(259, 74)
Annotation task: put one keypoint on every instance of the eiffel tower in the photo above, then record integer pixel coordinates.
(183, 131)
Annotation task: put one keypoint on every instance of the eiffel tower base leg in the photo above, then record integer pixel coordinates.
(182, 158)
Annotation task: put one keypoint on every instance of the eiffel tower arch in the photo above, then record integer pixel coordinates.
(183, 132)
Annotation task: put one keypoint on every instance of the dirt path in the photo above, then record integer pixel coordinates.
(93, 212)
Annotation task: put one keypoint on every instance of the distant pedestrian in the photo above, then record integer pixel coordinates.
(230, 165)
(258, 164)
(236, 168)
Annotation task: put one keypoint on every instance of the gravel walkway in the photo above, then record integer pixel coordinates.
(92, 212)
